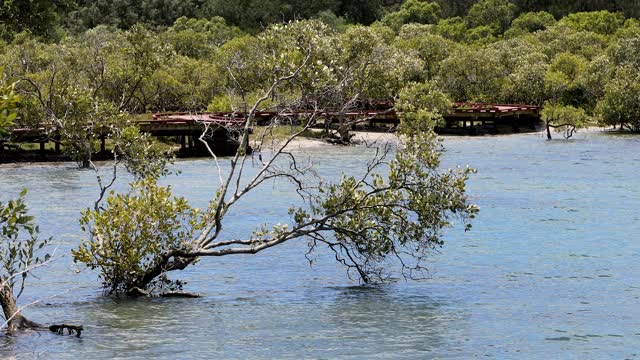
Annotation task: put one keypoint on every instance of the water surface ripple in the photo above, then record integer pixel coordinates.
(550, 270)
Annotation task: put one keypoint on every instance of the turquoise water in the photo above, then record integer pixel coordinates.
(550, 270)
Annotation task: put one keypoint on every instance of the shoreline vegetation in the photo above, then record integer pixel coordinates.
(77, 82)
(32, 155)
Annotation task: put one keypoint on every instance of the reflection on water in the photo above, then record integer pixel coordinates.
(549, 271)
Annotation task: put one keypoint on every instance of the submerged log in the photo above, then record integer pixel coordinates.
(71, 329)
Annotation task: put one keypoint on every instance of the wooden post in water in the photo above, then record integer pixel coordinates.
(514, 123)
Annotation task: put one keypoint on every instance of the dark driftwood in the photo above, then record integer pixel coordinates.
(71, 329)
(180, 294)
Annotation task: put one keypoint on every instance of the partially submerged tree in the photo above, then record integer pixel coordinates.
(563, 118)
(22, 251)
(396, 209)
(18, 256)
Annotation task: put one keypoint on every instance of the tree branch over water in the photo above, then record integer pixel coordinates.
(395, 209)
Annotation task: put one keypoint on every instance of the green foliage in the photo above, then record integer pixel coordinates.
(38, 17)
(332, 20)
(472, 75)
(530, 23)
(620, 104)
(186, 67)
(594, 80)
(253, 15)
(221, 103)
(123, 14)
(421, 11)
(143, 157)
(496, 14)
(138, 53)
(84, 123)
(8, 105)
(631, 29)
(481, 35)
(432, 49)
(563, 118)
(527, 83)
(198, 38)
(21, 249)
(560, 8)
(452, 28)
(50, 19)
(422, 107)
(626, 51)
(562, 78)
(398, 216)
(602, 22)
(369, 64)
(131, 231)
(413, 11)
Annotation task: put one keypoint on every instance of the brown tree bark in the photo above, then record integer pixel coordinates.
(16, 321)
(164, 263)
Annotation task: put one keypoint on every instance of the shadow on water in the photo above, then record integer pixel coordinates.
(393, 323)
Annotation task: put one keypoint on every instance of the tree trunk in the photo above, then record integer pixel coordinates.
(343, 130)
(16, 321)
(343, 133)
(548, 131)
(162, 265)
(12, 313)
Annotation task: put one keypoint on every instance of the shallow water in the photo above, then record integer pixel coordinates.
(550, 270)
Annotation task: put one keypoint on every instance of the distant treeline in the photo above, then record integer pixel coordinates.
(583, 66)
(51, 18)
(558, 8)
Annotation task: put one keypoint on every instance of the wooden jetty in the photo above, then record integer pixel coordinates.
(221, 135)
(222, 127)
(479, 118)
(464, 118)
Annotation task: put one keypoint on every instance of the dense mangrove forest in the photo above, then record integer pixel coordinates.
(279, 179)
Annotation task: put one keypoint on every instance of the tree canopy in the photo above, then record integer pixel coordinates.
(496, 51)
(51, 20)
